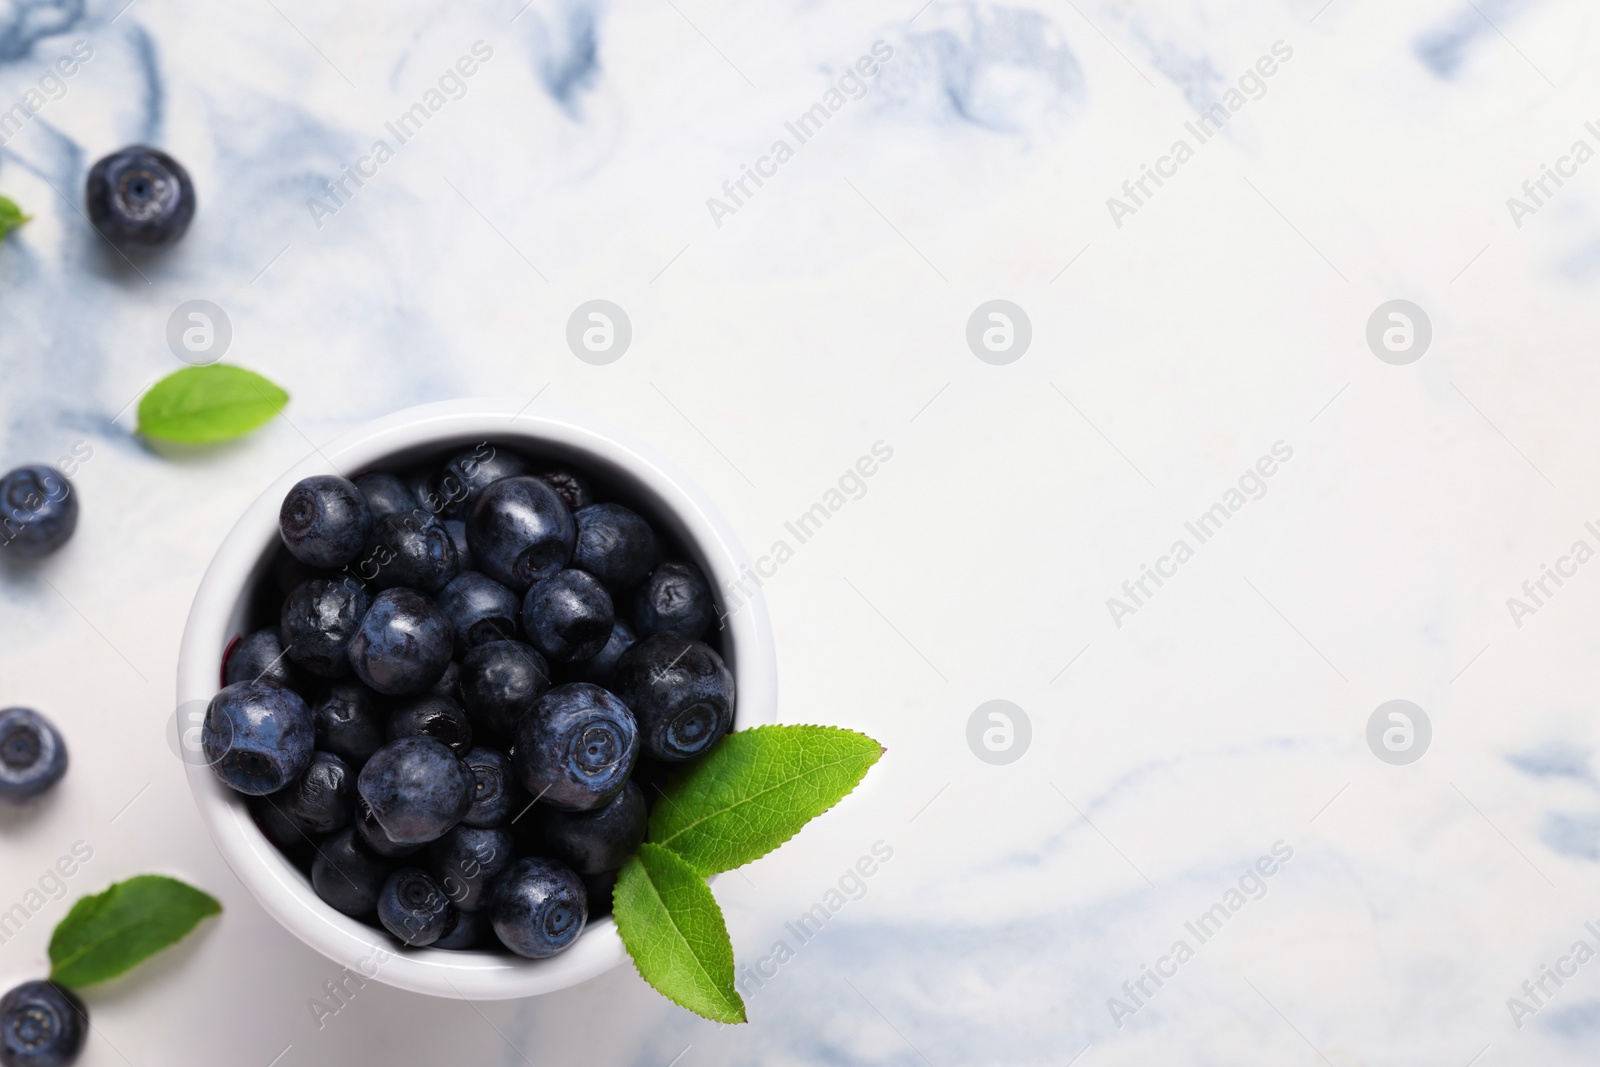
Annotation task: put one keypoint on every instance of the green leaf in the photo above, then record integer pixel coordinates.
(108, 933)
(674, 931)
(202, 405)
(11, 217)
(756, 790)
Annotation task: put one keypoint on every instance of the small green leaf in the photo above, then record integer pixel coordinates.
(203, 405)
(756, 790)
(11, 217)
(674, 931)
(108, 933)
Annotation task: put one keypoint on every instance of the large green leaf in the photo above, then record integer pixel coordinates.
(756, 790)
(202, 405)
(674, 931)
(107, 933)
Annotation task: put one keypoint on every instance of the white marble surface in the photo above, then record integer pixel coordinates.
(828, 312)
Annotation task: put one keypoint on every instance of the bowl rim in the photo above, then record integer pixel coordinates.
(281, 889)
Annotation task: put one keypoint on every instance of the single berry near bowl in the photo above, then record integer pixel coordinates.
(495, 793)
(41, 1025)
(615, 544)
(680, 693)
(38, 511)
(325, 521)
(432, 716)
(258, 736)
(568, 616)
(411, 907)
(480, 610)
(349, 722)
(538, 907)
(140, 198)
(674, 599)
(520, 531)
(319, 801)
(576, 749)
(403, 644)
(593, 842)
(500, 683)
(32, 755)
(416, 789)
(465, 862)
(319, 620)
(347, 874)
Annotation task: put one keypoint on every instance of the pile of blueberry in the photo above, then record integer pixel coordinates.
(474, 676)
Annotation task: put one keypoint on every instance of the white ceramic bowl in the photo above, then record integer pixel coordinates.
(628, 470)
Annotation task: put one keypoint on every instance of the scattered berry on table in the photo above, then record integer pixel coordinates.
(32, 755)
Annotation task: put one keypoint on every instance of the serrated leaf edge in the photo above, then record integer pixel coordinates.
(622, 933)
(672, 783)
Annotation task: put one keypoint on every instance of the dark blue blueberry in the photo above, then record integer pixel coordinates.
(680, 692)
(319, 801)
(457, 528)
(568, 616)
(480, 610)
(325, 521)
(465, 862)
(432, 716)
(500, 682)
(520, 531)
(411, 907)
(599, 888)
(592, 842)
(449, 683)
(276, 824)
(375, 838)
(403, 644)
(349, 722)
(420, 481)
(412, 551)
(575, 751)
(674, 599)
(38, 511)
(464, 929)
(32, 755)
(615, 545)
(288, 572)
(348, 875)
(416, 789)
(387, 496)
(461, 480)
(41, 1025)
(538, 907)
(260, 657)
(571, 486)
(319, 619)
(258, 736)
(495, 797)
(599, 667)
(140, 198)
